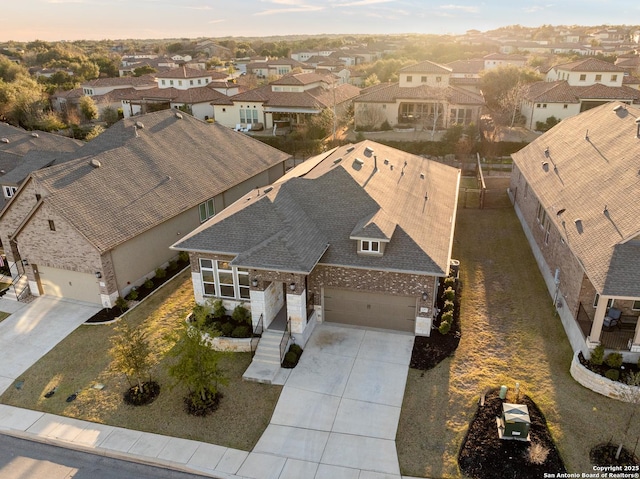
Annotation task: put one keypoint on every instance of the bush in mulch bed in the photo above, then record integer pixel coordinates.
(214, 319)
(484, 455)
(196, 406)
(141, 292)
(428, 352)
(136, 397)
(292, 357)
(624, 369)
(605, 455)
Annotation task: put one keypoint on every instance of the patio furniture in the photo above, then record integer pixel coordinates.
(612, 319)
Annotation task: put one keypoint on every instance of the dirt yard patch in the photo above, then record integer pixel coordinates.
(509, 334)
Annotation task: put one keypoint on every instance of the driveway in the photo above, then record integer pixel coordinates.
(338, 411)
(33, 329)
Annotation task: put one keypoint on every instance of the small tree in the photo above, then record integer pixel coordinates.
(197, 365)
(131, 354)
(109, 115)
(88, 108)
(630, 394)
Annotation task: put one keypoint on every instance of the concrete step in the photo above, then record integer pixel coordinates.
(265, 365)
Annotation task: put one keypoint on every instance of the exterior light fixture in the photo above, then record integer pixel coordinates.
(292, 286)
(254, 282)
(98, 274)
(425, 296)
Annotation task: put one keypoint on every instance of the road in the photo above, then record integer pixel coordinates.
(20, 459)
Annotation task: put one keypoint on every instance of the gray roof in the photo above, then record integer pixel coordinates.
(309, 215)
(595, 181)
(150, 174)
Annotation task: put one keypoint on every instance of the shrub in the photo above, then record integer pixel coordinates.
(296, 349)
(148, 284)
(537, 453)
(218, 309)
(445, 327)
(449, 294)
(385, 126)
(450, 281)
(161, 273)
(613, 360)
(612, 374)
(290, 359)
(241, 332)
(173, 265)
(183, 256)
(447, 316)
(448, 306)
(597, 355)
(226, 329)
(122, 304)
(133, 294)
(241, 315)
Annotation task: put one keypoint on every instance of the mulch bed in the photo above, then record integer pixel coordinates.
(194, 405)
(484, 455)
(601, 369)
(135, 397)
(605, 455)
(105, 315)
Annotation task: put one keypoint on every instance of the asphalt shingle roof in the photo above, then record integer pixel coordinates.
(150, 174)
(596, 181)
(426, 67)
(310, 214)
(561, 92)
(589, 65)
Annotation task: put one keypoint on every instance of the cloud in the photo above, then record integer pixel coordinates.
(199, 7)
(359, 3)
(216, 21)
(461, 8)
(294, 6)
(65, 1)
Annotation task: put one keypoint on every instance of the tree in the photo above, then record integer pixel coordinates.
(510, 102)
(371, 80)
(629, 393)
(131, 354)
(88, 108)
(197, 364)
(143, 70)
(496, 82)
(109, 115)
(368, 116)
(22, 101)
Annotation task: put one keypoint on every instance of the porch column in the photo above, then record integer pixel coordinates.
(635, 347)
(297, 310)
(596, 327)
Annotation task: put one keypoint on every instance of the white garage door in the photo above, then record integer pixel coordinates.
(374, 310)
(69, 284)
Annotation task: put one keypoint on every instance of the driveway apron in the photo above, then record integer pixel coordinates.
(340, 406)
(34, 329)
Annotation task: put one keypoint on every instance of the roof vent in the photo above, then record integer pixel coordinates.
(337, 160)
(359, 161)
(368, 151)
(178, 115)
(618, 108)
(4, 140)
(95, 163)
(139, 124)
(35, 135)
(546, 152)
(350, 149)
(267, 189)
(561, 211)
(638, 125)
(422, 176)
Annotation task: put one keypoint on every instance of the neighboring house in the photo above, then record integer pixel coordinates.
(100, 224)
(184, 78)
(286, 101)
(466, 74)
(303, 56)
(212, 49)
(360, 235)
(274, 68)
(495, 60)
(424, 98)
(22, 152)
(575, 87)
(575, 190)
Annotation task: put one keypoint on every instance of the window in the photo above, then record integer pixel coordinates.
(438, 79)
(583, 77)
(547, 231)
(221, 279)
(170, 82)
(541, 214)
(164, 82)
(207, 210)
(598, 77)
(423, 79)
(52, 225)
(9, 191)
(565, 106)
(180, 82)
(636, 306)
(614, 77)
(409, 78)
(370, 246)
(538, 105)
(597, 298)
(248, 116)
(544, 105)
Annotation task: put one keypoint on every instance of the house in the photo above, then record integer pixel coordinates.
(286, 101)
(100, 224)
(274, 68)
(466, 74)
(360, 235)
(574, 190)
(22, 152)
(495, 60)
(575, 87)
(423, 98)
(213, 49)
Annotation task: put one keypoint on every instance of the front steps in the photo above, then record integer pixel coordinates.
(265, 366)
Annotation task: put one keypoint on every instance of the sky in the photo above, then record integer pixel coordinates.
(50, 20)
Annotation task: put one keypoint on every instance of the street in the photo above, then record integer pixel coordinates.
(21, 459)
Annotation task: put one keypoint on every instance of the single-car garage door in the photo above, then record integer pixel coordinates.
(69, 284)
(374, 310)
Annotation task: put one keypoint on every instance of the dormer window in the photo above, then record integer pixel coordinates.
(370, 246)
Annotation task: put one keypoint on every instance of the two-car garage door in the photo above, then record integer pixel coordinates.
(69, 284)
(374, 310)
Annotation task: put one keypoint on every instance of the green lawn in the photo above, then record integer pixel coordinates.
(82, 360)
(509, 334)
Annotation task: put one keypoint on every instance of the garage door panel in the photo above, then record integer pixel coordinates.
(374, 310)
(63, 283)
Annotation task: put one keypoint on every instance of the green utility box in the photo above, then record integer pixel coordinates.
(515, 422)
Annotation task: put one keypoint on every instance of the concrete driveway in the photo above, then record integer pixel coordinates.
(338, 412)
(33, 329)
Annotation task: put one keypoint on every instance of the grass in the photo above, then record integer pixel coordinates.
(82, 360)
(509, 334)
(4, 316)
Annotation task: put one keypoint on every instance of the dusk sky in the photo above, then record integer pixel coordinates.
(25, 20)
